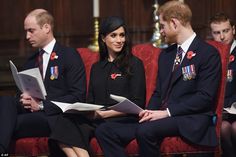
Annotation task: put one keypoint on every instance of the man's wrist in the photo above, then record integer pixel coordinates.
(41, 107)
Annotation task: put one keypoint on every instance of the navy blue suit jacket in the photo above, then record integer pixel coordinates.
(191, 101)
(70, 86)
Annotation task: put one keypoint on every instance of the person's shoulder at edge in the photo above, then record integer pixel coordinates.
(65, 49)
(210, 49)
(169, 48)
(69, 54)
(135, 60)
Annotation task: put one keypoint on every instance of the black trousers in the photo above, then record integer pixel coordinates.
(149, 135)
(17, 122)
(8, 114)
(114, 136)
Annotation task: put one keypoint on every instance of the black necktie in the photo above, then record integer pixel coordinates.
(178, 57)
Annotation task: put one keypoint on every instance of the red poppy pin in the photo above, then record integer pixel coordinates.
(114, 76)
(231, 58)
(53, 56)
(190, 54)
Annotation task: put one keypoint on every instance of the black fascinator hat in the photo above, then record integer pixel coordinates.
(110, 24)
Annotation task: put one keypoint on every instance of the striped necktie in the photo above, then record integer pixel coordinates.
(178, 58)
(177, 62)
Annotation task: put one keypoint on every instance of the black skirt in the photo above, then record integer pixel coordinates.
(77, 130)
(73, 130)
(229, 117)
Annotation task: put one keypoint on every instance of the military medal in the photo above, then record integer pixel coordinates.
(52, 77)
(188, 72)
(54, 72)
(185, 73)
(229, 75)
(177, 60)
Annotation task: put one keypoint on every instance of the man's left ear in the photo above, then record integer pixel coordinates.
(47, 27)
(233, 30)
(175, 22)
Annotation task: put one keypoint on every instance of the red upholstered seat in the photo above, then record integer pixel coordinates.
(36, 146)
(149, 55)
(171, 145)
(89, 57)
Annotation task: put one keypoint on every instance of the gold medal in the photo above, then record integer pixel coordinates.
(52, 77)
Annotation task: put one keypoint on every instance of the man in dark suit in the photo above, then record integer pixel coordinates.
(223, 30)
(188, 78)
(64, 78)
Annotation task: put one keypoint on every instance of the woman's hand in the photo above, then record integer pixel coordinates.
(150, 115)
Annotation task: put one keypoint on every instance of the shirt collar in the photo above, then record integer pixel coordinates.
(49, 47)
(105, 62)
(186, 44)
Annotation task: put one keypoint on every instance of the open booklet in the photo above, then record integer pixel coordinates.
(232, 109)
(29, 81)
(78, 106)
(125, 105)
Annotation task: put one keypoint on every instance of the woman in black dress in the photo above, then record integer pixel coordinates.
(117, 72)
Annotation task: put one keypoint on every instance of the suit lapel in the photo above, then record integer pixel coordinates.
(170, 55)
(31, 61)
(232, 62)
(176, 74)
(51, 63)
(234, 52)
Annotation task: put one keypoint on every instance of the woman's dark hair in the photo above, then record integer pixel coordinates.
(122, 60)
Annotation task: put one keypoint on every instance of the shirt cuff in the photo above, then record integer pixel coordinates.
(168, 112)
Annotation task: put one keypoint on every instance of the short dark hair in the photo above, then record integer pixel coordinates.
(221, 17)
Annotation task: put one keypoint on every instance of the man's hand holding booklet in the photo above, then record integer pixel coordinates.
(29, 81)
(123, 105)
